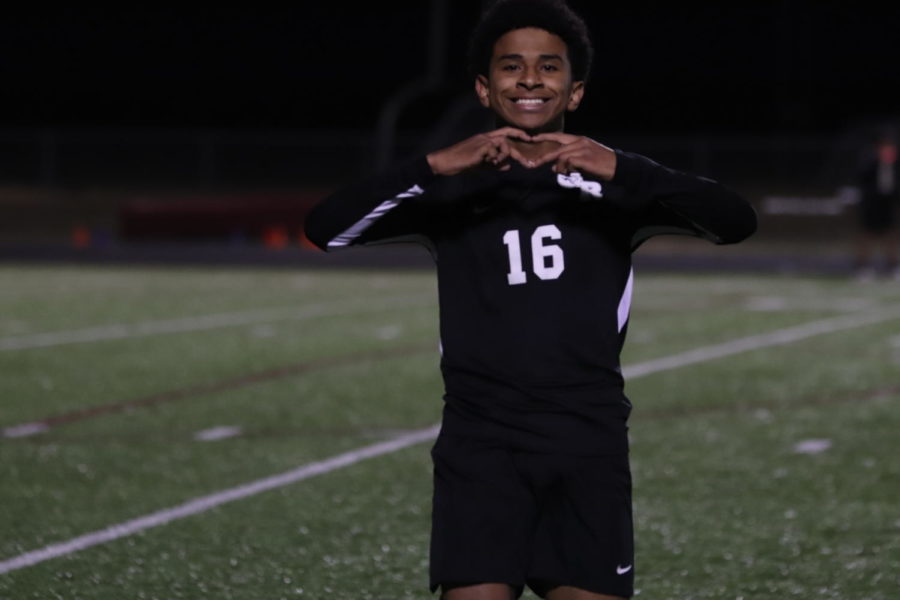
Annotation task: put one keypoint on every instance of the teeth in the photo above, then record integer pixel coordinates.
(532, 101)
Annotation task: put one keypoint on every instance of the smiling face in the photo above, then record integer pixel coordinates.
(529, 82)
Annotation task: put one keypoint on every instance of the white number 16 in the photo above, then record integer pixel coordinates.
(547, 259)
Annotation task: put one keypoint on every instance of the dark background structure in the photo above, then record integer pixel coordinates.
(158, 122)
(662, 67)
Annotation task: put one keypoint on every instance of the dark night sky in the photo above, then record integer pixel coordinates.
(661, 67)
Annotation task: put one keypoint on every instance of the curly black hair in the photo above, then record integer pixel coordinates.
(554, 16)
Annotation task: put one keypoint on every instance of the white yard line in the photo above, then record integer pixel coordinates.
(779, 337)
(202, 504)
(204, 322)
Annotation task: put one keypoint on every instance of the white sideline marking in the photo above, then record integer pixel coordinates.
(198, 505)
(203, 322)
(217, 433)
(779, 337)
(204, 503)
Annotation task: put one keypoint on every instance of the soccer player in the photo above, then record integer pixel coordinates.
(532, 231)
(879, 185)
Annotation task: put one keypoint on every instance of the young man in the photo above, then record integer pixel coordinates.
(532, 230)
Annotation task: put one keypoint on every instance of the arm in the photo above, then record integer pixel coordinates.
(678, 202)
(376, 209)
(672, 201)
(395, 205)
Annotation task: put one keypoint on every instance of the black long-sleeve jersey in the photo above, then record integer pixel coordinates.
(534, 283)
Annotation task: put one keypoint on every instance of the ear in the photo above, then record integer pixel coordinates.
(575, 95)
(482, 88)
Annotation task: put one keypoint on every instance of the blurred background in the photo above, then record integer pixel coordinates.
(182, 132)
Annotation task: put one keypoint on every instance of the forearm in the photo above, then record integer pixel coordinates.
(710, 209)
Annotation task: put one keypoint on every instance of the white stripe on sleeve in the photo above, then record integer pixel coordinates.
(357, 229)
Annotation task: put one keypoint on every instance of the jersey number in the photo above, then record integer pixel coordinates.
(547, 260)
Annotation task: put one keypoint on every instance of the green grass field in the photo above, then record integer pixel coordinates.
(767, 468)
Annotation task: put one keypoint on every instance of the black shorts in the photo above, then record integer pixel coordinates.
(542, 520)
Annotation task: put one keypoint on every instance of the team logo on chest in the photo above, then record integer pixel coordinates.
(575, 180)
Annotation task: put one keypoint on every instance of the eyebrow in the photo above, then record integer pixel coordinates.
(520, 57)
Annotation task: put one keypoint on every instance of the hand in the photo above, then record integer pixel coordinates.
(491, 149)
(576, 153)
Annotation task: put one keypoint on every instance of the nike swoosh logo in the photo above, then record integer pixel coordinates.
(622, 570)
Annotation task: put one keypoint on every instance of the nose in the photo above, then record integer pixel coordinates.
(530, 78)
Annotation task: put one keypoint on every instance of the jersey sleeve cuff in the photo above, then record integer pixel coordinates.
(419, 170)
(628, 171)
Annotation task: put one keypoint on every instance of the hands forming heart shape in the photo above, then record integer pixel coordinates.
(496, 149)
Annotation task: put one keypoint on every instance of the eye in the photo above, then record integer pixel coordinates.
(510, 67)
(549, 67)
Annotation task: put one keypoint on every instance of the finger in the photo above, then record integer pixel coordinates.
(492, 155)
(497, 154)
(507, 131)
(518, 134)
(563, 165)
(556, 136)
(569, 162)
(501, 156)
(501, 148)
